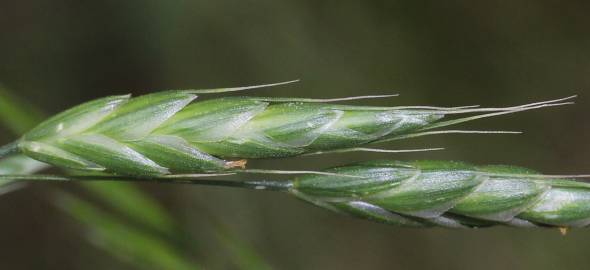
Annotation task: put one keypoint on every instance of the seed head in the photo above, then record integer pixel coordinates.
(448, 194)
(168, 132)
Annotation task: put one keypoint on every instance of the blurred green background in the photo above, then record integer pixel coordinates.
(56, 54)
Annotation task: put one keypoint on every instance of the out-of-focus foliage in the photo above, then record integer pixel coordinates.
(123, 241)
(242, 254)
(128, 200)
(17, 115)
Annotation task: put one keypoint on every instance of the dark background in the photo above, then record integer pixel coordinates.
(56, 54)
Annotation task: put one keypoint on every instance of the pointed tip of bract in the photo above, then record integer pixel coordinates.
(325, 100)
(124, 96)
(236, 89)
(492, 112)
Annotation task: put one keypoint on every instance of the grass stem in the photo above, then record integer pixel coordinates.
(271, 185)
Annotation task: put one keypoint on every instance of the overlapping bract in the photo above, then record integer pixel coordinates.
(167, 132)
(448, 194)
(161, 133)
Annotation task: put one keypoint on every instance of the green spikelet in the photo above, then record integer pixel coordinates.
(448, 194)
(414, 194)
(167, 132)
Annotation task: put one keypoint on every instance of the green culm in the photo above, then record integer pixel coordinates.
(172, 132)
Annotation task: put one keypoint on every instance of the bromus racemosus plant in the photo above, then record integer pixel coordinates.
(421, 193)
(173, 133)
(169, 137)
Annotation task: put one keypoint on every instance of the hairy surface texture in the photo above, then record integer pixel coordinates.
(448, 194)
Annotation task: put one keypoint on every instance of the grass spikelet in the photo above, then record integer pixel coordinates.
(417, 194)
(449, 194)
(173, 132)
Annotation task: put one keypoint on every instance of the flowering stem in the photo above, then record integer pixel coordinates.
(274, 185)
